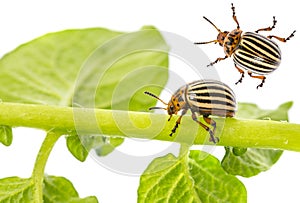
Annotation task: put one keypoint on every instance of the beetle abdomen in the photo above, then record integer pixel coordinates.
(211, 97)
(257, 54)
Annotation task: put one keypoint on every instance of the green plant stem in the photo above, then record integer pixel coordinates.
(40, 164)
(231, 131)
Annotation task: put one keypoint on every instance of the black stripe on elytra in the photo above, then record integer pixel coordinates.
(261, 44)
(207, 87)
(253, 50)
(264, 39)
(250, 57)
(239, 60)
(214, 94)
(212, 101)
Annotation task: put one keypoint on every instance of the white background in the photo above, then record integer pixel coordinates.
(22, 21)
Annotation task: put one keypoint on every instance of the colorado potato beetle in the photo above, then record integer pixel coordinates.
(205, 97)
(251, 51)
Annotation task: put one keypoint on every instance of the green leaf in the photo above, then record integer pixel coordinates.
(15, 189)
(239, 151)
(45, 69)
(59, 189)
(119, 71)
(56, 189)
(109, 144)
(87, 68)
(76, 148)
(252, 161)
(80, 146)
(6, 135)
(197, 177)
(252, 111)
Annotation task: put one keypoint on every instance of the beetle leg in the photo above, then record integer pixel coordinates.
(242, 74)
(281, 38)
(268, 28)
(211, 133)
(263, 79)
(176, 126)
(234, 16)
(217, 60)
(213, 123)
(178, 122)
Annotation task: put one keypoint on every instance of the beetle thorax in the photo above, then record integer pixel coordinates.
(232, 41)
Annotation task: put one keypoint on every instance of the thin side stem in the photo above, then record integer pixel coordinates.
(40, 164)
(230, 131)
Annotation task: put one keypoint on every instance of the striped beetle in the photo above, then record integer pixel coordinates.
(251, 51)
(205, 97)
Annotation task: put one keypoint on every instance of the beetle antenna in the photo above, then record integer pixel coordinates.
(156, 97)
(212, 24)
(156, 107)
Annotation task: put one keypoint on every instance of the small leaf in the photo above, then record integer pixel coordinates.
(80, 146)
(250, 162)
(6, 135)
(239, 151)
(108, 146)
(15, 189)
(59, 189)
(76, 148)
(198, 177)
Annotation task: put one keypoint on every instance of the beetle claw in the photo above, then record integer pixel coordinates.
(212, 138)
